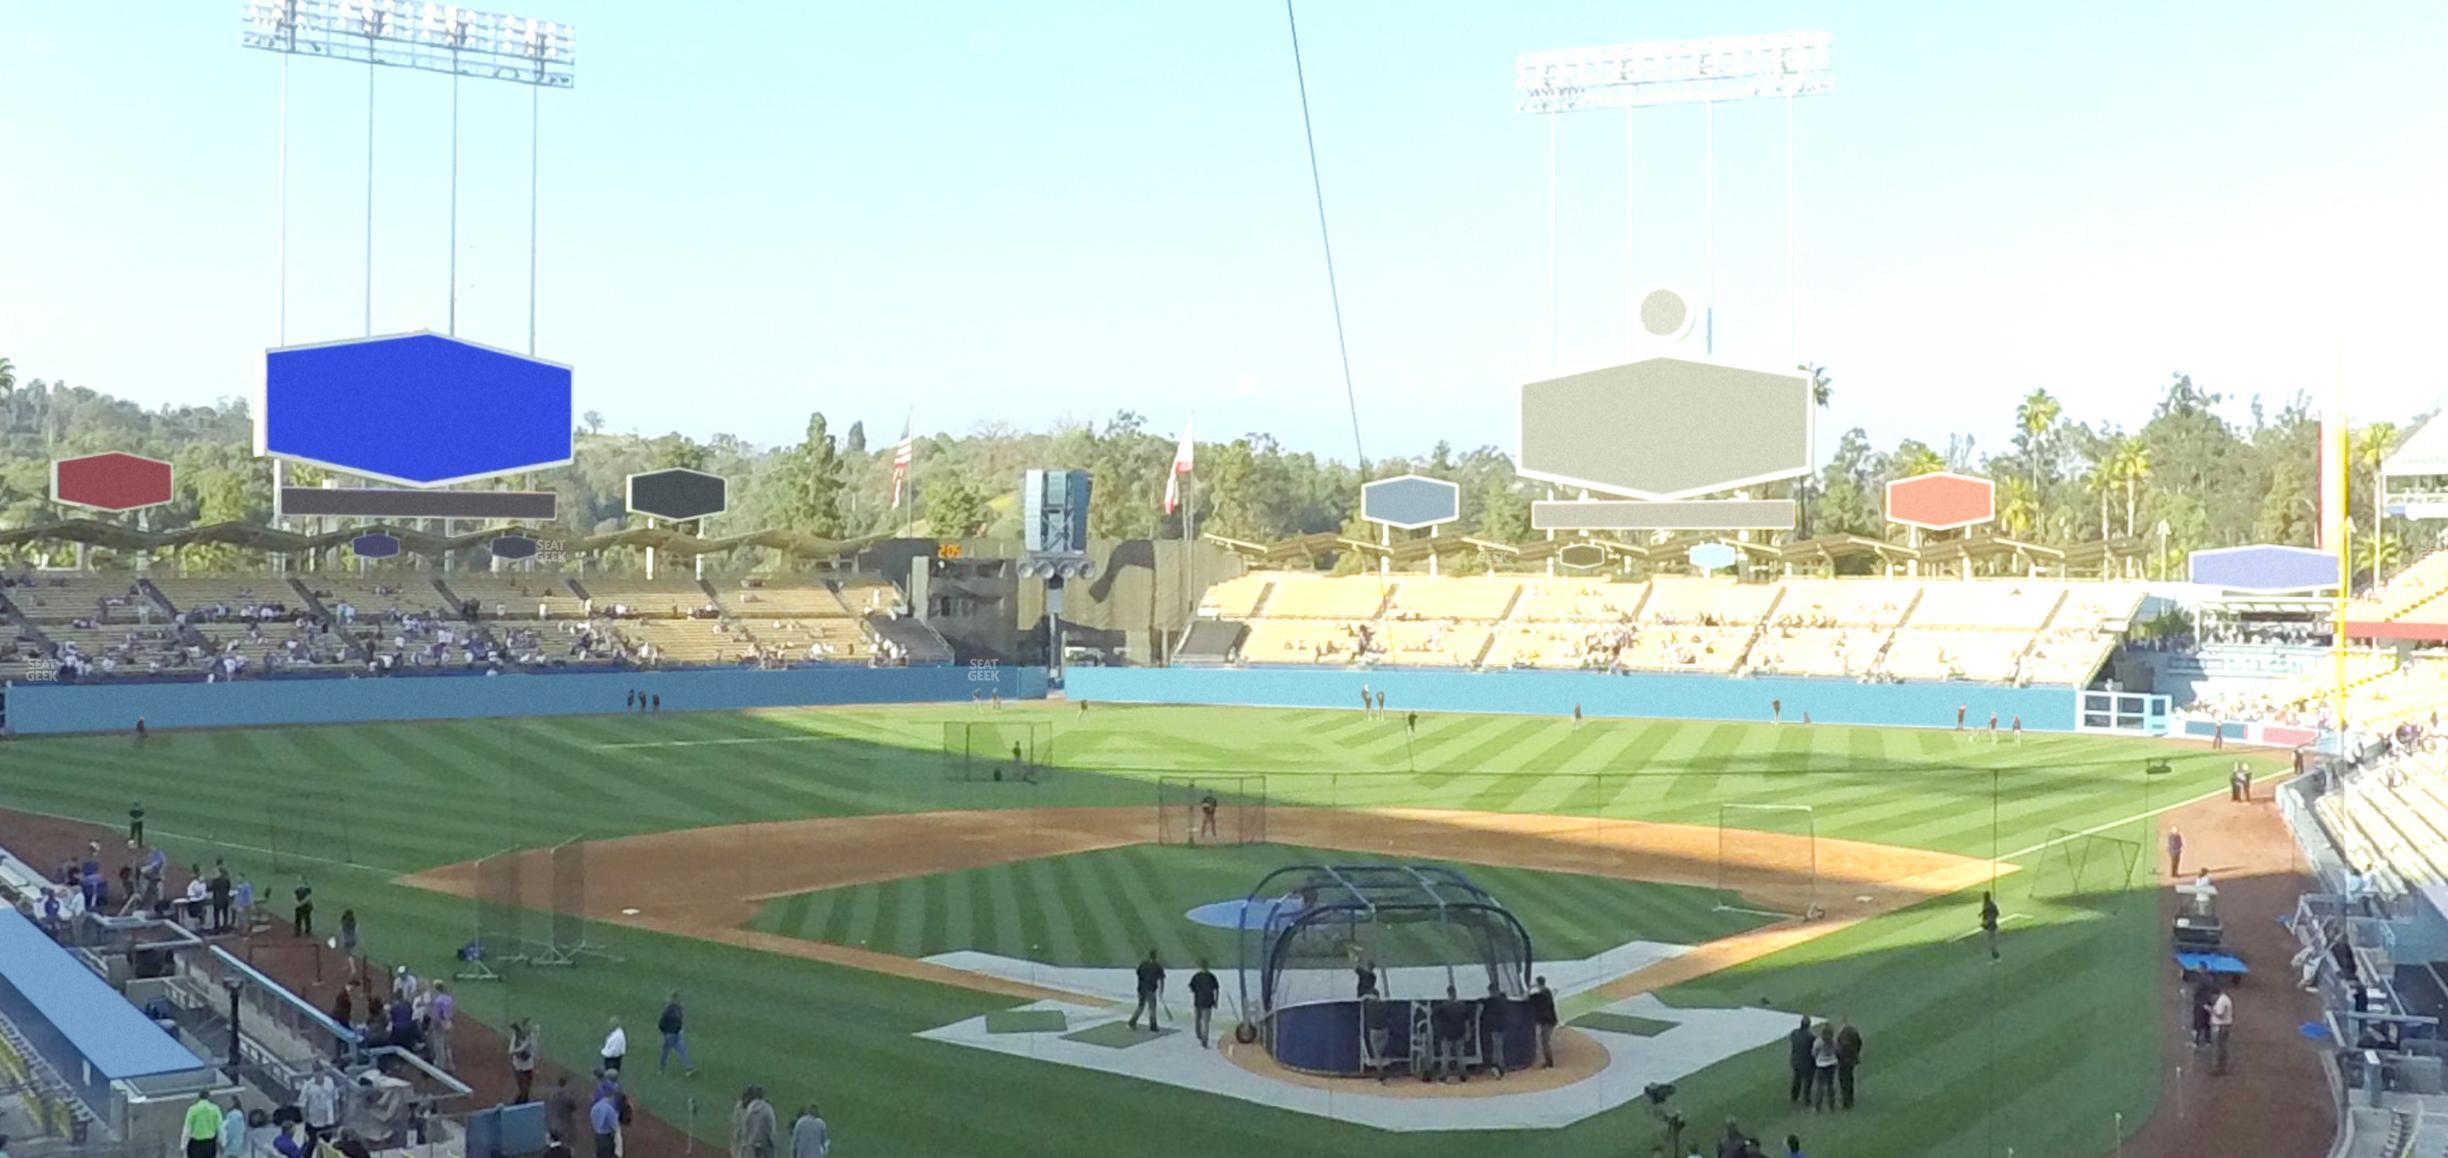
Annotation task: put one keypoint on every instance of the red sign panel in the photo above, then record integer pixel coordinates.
(1942, 501)
(111, 482)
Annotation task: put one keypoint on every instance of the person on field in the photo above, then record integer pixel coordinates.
(1203, 989)
(1576, 715)
(440, 1012)
(1823, 1061)
(301, 918)
(1989, 924)
(1959, 715)
(1495, 1017)
(1151, 986)
(1993, 735)
(2018, 728)
(1411, 723)
(1543, 1020)
(1848, 1059)
(1776, 711)
(561, 1108)
(219, 890)
(809, 1138)
(1366, 971)
(348, 939)
(603, 1117)
(1377, 1021)
(615, 1047)
(523, 1058)
(1452, 1019)
(136, 807)
(1365, 700)
(752, 1125)
(1207, 814)
(2175, 850)
(1800, 1062)
(1381, 705)
(2222, 1024)
(673, 1026)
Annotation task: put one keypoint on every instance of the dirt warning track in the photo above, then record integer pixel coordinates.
(709, 882)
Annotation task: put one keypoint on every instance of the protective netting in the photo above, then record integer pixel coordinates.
(1014, 749)
(1214, 808)
(1768, 858)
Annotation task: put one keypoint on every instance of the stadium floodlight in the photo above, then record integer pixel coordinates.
(428, 37)
(1704, 72)
(1667, 72)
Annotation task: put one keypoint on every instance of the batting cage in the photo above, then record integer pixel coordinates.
(1215, 808)
(1768, 859)
(530, 910)
(1015, 749)
(1421, 929)
(2077, 866)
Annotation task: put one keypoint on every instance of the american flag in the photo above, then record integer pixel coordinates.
(1181, 466)
(901, 465)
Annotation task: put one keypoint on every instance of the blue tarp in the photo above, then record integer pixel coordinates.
(76, 1021)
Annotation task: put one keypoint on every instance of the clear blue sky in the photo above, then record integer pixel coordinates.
(1021, 213)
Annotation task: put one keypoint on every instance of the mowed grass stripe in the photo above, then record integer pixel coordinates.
(1044, 901)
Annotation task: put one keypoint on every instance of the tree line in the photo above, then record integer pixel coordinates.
(2210, 481)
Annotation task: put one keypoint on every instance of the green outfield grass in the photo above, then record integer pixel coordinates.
(2037, 1053)
(1111, 907)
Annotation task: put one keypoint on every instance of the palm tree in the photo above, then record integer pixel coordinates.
(2131, 463)
(2018, 506)
(2036, 417)
(1920, 460)
(2379, 554)
(1822, 386)
(2370, 453)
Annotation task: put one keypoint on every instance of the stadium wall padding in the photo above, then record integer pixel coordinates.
(51, 708)
(1553, 693)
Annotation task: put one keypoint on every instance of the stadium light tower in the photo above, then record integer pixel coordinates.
(1671, 72)
(427, 37)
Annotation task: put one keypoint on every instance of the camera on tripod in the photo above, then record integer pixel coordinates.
(1659, 1094)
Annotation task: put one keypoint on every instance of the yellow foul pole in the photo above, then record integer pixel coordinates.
(2336, 529)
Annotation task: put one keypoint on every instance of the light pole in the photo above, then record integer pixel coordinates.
(428, 37)
(1667, 72)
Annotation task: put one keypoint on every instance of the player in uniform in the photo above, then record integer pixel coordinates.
(1207, 814)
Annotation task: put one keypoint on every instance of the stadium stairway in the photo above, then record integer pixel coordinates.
(27, 629)
(1742, 660)
(188, 632)
(356, 647)
(473, 615)
(923, 645)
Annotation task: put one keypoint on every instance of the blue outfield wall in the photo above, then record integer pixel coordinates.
(1553, 693)
(50, 708)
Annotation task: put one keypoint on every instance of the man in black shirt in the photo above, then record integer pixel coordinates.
(1377, 1023)
(1367, 972)
(1989, 924)
(1151, 983)
(1848, 1056)
(220, 897)
(301, 918)
(1543, 1016)
(1203, 989)
(1799, 1059)
(1495, 1017)
(1453, 1019)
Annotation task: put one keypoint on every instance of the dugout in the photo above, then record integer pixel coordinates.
(1426, 927)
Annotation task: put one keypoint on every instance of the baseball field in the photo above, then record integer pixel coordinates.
(792, 872)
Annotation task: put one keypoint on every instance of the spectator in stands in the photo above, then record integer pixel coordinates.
(234, 1130)
(203, 1132)
(319, 1099)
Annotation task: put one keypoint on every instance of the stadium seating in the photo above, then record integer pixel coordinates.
(2418, 594)
(1996, 631)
